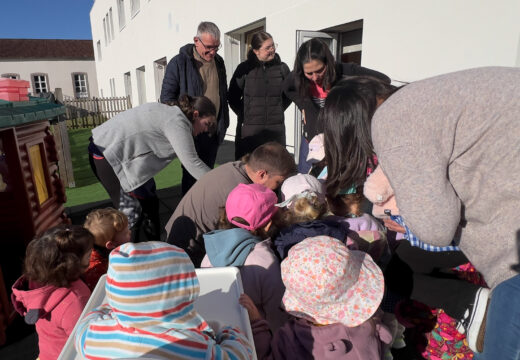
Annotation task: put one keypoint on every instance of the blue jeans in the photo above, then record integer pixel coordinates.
(502, 339)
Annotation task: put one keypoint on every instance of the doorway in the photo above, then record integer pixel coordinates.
(344, 42)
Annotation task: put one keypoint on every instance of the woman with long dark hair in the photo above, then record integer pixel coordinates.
(314, 75)
(127, 151)
(256, 96)
(450, 148)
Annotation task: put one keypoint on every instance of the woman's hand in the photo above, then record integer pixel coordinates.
(393, 226)
(250, 306)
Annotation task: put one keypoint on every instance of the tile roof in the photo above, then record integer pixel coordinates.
(46, 49)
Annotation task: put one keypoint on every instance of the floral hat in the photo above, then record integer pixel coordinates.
(327, 283)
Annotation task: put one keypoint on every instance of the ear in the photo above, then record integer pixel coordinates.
(268, 225)
(262, 174)
(196, 114)
(195, 39)
(256, 52)
(110, 245)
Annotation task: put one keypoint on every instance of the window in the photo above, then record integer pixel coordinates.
(159, 66)
(11, 76)
(121, 13)
(80, 85)
(134, 7)
(128, 85)
(111, 22)
(112, 87)
(99, 50)
(141, 86)
(105, 30)
(40, 83)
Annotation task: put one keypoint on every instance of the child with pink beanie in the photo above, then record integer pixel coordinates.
(333, 295)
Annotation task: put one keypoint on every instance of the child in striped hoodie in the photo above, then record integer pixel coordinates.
(151, 288)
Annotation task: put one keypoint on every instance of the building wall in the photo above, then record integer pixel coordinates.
(59, 73)
(406, 39)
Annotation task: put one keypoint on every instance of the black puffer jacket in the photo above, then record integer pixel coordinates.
(256, 96)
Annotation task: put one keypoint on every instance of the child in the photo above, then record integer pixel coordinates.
(50, 293)
(150, 289)
(110, 229)
(244, 241)
(332, 293)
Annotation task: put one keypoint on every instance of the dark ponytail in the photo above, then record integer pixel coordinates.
(189, 104)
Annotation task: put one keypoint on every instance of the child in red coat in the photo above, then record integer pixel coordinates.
(110, 229)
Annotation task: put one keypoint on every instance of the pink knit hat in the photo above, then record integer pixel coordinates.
(327, 283)
(254, 203)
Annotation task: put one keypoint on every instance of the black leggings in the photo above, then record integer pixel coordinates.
(425, 276)
(149, 204)
(207, 148)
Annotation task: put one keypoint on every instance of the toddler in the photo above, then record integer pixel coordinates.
(333, 294)
(244, 241)
(110, 229)
(151, 288)
(50, 293)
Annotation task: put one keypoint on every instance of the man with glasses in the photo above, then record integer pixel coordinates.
(198, 70)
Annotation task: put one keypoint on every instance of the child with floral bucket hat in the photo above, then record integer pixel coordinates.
(333, 294)
(151, 288)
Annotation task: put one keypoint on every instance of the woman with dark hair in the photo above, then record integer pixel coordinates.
(450, 148)
(127, 151)
(256, 96)
(315, 73)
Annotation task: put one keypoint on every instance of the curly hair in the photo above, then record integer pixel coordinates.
(105, 224)
(305, 209)
(54, 258)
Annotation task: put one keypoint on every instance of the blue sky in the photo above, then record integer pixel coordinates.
(45, 19)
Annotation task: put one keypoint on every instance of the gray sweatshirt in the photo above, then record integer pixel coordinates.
(140, 142)
(450, 146)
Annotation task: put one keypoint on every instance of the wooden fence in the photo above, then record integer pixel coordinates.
(91, 112)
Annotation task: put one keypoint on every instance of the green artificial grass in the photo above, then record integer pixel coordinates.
(88, 189)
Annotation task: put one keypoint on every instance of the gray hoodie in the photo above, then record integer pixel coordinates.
(450, 146)
(140, 142)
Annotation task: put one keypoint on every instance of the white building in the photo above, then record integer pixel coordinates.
(49, 64)
(405, 39)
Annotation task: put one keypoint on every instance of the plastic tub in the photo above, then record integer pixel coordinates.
(218, 304)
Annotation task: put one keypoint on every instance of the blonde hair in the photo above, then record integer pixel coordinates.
(105, 224)
(307, 209)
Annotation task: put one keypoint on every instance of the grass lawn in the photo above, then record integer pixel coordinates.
(88, 189)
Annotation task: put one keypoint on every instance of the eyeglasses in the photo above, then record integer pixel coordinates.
(210, 48)
(272, 47)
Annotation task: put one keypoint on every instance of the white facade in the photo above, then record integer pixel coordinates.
(405, 39)
(58, 74)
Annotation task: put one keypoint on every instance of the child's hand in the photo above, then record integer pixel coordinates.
(393, 226)
(250, 306)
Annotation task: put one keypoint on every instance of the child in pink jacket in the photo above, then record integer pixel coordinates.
(50, 293)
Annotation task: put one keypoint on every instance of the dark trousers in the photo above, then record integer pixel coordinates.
(207, 148)
(425, 276)
(145, 195)
(304, 166)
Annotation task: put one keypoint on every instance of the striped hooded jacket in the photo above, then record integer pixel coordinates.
(151, 288)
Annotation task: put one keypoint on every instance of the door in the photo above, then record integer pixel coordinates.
(301, 37)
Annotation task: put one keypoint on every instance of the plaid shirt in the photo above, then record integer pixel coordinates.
(414, 240)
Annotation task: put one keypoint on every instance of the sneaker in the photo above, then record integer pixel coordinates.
(474, 322)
